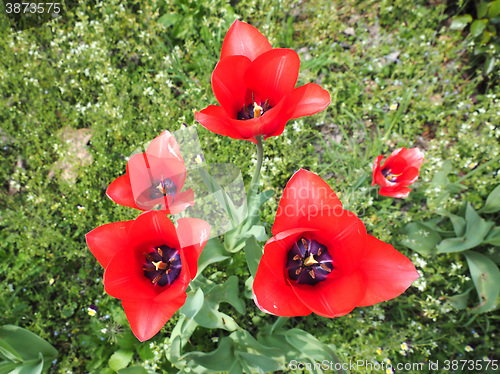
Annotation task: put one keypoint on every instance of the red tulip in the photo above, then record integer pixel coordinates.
(399, 171)
(154, 179)
(254, 85)
(148, 265)
(320, 258)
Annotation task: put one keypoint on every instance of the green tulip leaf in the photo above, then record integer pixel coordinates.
(421, 238)
(9, 353)
(209, 315)
(458, 223)
(253, 254)
(476, 230)
(309, 345)
(120, 359)
(460, 22)
(486, 277)
(254, 355)
(460, 301)
(493, 237)
(193, 304)
(492, 204)
(236, 212)
(213, 252)
(454, 187)
(27, 351)
(220, 360)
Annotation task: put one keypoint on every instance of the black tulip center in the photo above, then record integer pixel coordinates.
(389, 175)
(253, 110)
(163, 265)
(161, 188)
(308, 262)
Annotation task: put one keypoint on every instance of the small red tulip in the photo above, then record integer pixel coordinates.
(154, 179)
(148, 265)
(399, 171)
(255, 87)
(320, 258)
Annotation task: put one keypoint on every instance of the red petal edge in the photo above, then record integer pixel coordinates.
(245, 40)
(387, 272)
(271, 292)
(305, 195)
(147, 317)
(120, 191)
(105, 241)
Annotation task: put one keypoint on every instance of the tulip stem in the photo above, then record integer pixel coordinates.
(254, 184)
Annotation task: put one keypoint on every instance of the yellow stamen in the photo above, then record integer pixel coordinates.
(160, 265)
(156, 279)
(257, 110)
(161, 189)
(325, 268)
(389, 177)
(304, 243)
(310, 260)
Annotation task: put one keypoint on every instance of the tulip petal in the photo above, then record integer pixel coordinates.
(376, 171)
(396, 164)
(153, 228)
(147, 317)
(182, 201)
(344, 236)
(333, 297)
(392, 156)
(120, 191)
(304, 199)
(140, 175)
(228, 84)
(387, 272)
(273, 75)
(244, 39)
(193, 234)
(308, 99)
(147, 171)
(215, 119)
(414, 157)
(409, 176)
(403, 192)
(271, 122)
(164, 146)
(124, 277)
(106, 240)
(271, 292)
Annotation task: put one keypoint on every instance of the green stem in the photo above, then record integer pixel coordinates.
(254, 184)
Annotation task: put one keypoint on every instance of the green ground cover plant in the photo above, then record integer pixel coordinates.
(78, 95)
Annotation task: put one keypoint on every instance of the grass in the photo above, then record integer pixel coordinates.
(126, 70)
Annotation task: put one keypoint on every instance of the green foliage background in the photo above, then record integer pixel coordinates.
(127, 70)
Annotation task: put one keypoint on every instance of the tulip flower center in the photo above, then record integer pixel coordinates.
(253, 110)
(390, 176)
(161, 188)
(163, 265)
(308, 262)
